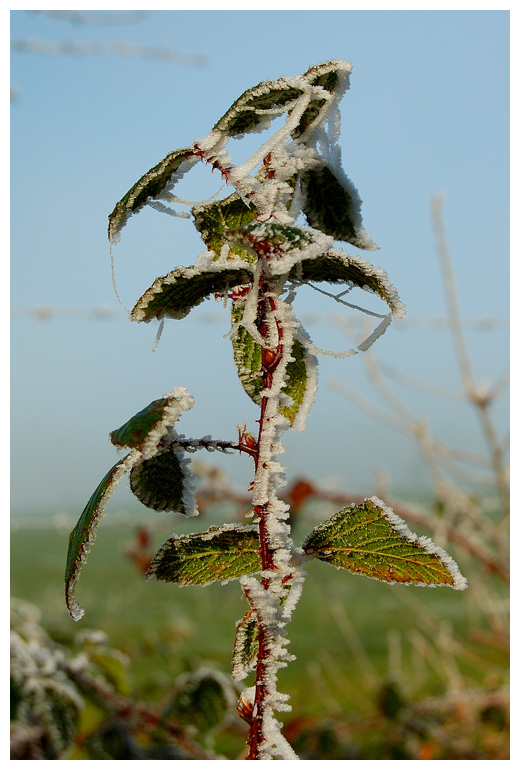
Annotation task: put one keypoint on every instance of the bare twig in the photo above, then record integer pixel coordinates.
(481, 399)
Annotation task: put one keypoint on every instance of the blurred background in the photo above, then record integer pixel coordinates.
(95, 105)
(99, 97)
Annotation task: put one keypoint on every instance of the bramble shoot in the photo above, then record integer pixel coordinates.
(256, 258)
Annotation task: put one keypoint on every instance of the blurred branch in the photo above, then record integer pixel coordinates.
(420, 386)
(412, 427)
(454, 320)
(480, 396)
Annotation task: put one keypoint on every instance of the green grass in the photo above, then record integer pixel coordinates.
(339, 632)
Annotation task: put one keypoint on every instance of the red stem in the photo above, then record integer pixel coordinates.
(270, 361)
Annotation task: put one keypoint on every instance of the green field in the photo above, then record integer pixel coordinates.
(350, 635)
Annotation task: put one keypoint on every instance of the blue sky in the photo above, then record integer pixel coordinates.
(427, 112)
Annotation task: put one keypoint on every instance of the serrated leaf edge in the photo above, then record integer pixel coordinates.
(243, 663)
(388, 291)
(460, 583)
(179, 400)
(204, 264)
(399, 526)
(125, 208)
(208, 535)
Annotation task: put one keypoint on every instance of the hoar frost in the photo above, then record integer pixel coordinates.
(256, 258)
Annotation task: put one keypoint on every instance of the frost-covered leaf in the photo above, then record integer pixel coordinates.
(281, 245)
(253, 110)
(84, 533)
(174, 295)
(332, 205)
(369, 539)
(149, 185)
(159, 482)
(245, 649)
(204, 700)
(297, 381)
(214, 220)
(57, 716)
(204, 557)
(133, 434)
(248, 359)
(145, 429)
(337, 267)
(45, 703)
(273, 238)
(333, 76)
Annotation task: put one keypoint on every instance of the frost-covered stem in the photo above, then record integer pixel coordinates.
(275, 544)
(256, 737)
(270, 360)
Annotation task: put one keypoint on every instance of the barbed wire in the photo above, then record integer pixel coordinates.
(129, 50)
(101, 18)
(105, 313)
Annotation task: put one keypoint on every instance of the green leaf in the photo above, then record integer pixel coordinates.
(248, 114)
(297, 380)
(174, 295)
(204, 701)
(204, 557)
(149, 185)
(114, 666)
(145, 429)
(332, 205)
(133, 434)
(337, 267)
(369, 539)
(245, 649)
(84, 533)
(273, 241)
(56, 714)
(248, 359)
(214, 220)
(159, 482)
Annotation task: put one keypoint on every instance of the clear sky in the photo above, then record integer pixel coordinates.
(427, 112)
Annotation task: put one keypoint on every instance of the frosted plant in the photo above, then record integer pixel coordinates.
(256, 258)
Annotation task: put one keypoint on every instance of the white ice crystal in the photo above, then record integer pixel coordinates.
(460, 583)
(179, 400)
